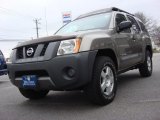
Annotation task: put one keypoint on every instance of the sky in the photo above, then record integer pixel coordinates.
(17, 16)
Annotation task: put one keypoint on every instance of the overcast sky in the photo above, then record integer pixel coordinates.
(16, 16)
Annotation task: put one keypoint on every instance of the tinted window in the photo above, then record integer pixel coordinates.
(120, 18)
(100, 21)
(134, 22)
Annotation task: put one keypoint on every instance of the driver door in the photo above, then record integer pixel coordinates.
(124, 44)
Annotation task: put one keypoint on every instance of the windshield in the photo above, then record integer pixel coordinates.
(99, 21)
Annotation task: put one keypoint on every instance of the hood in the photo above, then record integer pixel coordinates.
(59, 37)
(46, 39)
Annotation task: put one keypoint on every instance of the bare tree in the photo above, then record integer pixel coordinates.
(151, 25)
(156, 34)
(144, 19)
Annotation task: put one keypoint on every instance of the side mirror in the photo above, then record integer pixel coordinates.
(124, 25)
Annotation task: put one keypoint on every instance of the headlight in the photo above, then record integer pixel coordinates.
(69, 46)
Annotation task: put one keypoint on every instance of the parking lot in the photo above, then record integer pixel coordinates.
(137, 99)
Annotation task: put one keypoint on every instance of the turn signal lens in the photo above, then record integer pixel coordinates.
(77, 45)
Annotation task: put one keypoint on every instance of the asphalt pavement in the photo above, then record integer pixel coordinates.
(137, 99)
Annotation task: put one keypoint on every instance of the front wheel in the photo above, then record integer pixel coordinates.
(145, 68)
(103, 86)
(33, 94)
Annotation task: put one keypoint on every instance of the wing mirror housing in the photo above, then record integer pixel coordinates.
(124, 25)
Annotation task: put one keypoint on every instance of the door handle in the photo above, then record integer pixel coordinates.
(133, 37)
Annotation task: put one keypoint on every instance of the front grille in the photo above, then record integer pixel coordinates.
(20, 53)
(30, 51)
(39, 73)
(44, 49)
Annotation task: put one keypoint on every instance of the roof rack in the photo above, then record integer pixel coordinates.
(117, 9)
(103, 11)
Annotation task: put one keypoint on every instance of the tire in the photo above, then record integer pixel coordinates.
(146, 68)
(97, 89)
(32, 94)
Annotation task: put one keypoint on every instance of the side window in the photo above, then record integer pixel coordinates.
(134, 22)
(143, 27)
(120, 18)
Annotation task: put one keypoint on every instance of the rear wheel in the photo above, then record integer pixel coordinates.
(145, 68)
(103, 86)
(33, 94)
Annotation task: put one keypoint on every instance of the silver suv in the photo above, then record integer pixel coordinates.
(86, 54)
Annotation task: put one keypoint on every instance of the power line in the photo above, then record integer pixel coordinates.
(37, 28)
(15, 13)
(12, 12)
(12, 40)
(12, 30)
(7, 36)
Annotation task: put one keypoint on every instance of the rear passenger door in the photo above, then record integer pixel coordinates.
(136, 40)
(144, 35)
(124, 44)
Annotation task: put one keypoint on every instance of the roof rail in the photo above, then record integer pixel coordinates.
(117, 9)
(94, 12)
(102, 11)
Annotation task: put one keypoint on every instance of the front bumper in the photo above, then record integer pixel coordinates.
(66, 72)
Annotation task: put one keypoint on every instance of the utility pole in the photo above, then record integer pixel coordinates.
(37, 28)
(46, 20)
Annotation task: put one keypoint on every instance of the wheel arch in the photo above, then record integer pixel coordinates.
(149, 48)
(110, 53)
